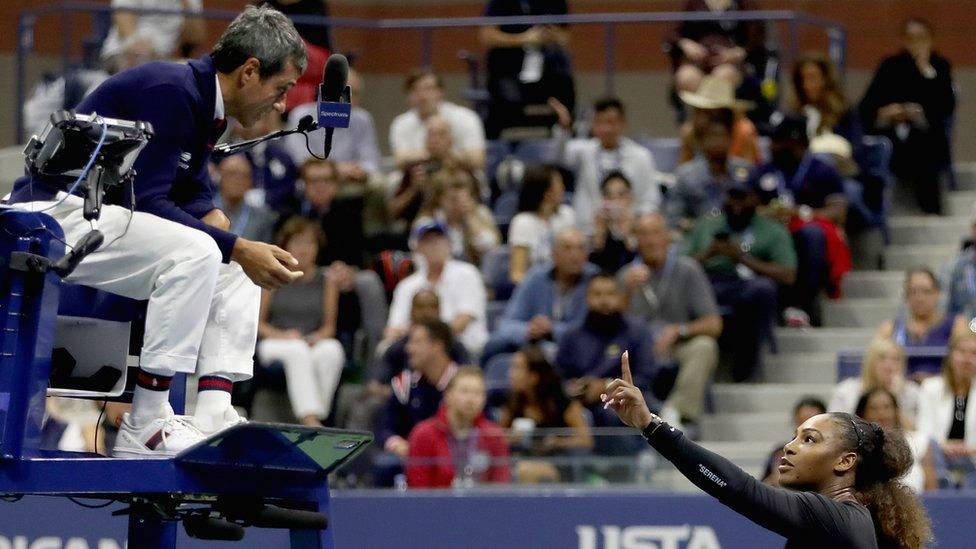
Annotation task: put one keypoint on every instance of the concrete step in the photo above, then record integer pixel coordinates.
(800, 368)
(959, 203)
(863, 284)
(965, 175)
(766, 428)
(859, 312)
(740, 452)
(920, 229)
(821, 340)
(774, 400)
(901, 257)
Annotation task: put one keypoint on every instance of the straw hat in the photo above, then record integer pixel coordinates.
(715, 93)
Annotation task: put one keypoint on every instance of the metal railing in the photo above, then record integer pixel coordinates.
(835, 32)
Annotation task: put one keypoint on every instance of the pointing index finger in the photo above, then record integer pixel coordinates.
(625, 367)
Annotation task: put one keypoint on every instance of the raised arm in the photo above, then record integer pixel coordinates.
(785, 512)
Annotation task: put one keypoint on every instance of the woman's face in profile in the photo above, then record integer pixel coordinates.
(808, 460)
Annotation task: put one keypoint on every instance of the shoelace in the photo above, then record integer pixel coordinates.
(174, 425)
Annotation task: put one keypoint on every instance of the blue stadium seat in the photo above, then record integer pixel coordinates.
(505, 207)
(664, 150)
(537, 151)
(849, 362)
(496, 372)
(874, 159)
(494, 269)
(495, 152)
(494, 312)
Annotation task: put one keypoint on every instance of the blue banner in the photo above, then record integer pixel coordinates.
(547, 519)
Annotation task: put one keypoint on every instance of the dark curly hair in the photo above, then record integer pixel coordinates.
(883, 458)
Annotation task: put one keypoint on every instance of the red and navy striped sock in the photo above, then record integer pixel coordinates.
(153, 382)
(150, 397)
(213, 395)
(215, 383)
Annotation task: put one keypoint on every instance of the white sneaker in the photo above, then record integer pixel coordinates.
(161, 437)
(209, 425)
(672, 417)
(796, 318)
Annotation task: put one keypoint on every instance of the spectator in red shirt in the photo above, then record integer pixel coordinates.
(459, 445)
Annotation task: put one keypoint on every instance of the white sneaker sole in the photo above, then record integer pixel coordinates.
(134, 453)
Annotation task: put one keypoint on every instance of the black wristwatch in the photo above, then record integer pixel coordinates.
(655, 423)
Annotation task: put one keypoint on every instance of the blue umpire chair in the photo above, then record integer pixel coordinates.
(262, 475)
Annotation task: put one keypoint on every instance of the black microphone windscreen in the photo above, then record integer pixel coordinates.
(334, 77)
(306, 123)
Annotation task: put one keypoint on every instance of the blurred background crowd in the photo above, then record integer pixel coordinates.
(474, 269)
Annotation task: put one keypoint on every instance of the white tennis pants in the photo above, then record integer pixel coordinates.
(202, 315)
(312, 372)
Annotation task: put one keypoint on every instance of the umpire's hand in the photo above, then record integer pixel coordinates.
(267, 265)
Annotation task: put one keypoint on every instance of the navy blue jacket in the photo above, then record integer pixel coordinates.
(588, 350)
(414, 399)
(172, 180)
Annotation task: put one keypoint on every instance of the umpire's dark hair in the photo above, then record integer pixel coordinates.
(265, 34)
(438, 330)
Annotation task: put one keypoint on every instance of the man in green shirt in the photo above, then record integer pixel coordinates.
(746, 257)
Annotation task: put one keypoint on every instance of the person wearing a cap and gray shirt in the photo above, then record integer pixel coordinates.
(701, 182)
(806, 194)
(457, 283)
(747, 257)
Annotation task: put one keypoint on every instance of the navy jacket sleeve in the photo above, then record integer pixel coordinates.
(169, 110)
(202, 200)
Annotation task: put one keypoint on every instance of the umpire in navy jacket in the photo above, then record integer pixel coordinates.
(202, 282)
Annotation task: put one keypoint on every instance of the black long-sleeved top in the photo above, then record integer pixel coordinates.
(805, 519)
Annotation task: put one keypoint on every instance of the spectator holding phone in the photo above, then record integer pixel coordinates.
(911, 101)
(747, 258)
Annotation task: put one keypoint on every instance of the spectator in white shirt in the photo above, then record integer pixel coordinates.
(167, 33)
(607, 151)
(541, 216)
(408, 133)
(354, 149)
(457, 284)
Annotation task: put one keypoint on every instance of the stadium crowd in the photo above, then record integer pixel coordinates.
(469, 299)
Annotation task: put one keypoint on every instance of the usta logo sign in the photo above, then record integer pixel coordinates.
(54, 542)
(684, 536)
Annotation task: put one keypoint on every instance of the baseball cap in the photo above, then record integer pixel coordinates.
(786, 127)
(427, 227)
(742, 183)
